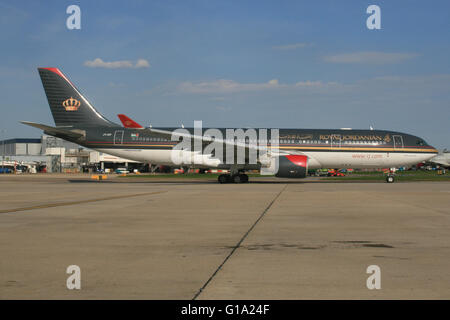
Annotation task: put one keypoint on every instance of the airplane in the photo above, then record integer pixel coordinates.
(293, 150)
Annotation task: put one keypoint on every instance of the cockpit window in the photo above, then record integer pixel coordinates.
(420, 142)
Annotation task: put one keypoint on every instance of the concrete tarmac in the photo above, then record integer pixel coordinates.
(183, 239)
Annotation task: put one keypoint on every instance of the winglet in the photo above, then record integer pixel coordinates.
(129, 123)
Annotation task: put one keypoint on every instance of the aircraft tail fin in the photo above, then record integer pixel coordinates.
(69, 107)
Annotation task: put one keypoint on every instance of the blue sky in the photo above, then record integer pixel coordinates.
(296, 64)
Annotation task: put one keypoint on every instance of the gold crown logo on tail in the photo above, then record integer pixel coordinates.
(71, 104)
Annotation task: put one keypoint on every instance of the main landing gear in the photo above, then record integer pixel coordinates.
(236, 178)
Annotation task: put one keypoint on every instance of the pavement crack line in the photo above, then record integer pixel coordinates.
(69, 203)
(238, 244)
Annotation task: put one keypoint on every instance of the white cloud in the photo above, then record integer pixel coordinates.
(99, 63)
(370, 57)
(223, 86)
(436, 79)
(142, 63)
(308, 84)
(293, 46)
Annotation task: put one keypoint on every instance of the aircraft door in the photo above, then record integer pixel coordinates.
(118, 137)
(336, 141)
(398, 141)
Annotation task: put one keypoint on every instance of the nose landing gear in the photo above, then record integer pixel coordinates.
(390, 178)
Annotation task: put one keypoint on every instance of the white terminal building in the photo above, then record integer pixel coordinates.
(57, 155)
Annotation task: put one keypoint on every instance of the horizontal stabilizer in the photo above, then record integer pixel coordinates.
(58, 132)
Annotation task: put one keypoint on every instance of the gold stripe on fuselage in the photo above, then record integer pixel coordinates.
(363, 149)
(328, 148)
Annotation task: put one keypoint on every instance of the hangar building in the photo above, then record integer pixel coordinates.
(57, 155)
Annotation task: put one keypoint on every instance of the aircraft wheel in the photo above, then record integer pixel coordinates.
(390, 179)
(244, 178)
(224, 178)
(236, 178)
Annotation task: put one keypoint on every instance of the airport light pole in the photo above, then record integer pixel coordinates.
(3, 131)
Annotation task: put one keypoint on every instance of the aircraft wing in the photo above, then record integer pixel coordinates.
(235, 144)
(53, 131)
(129, 123)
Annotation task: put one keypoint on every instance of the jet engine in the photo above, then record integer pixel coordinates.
(292, 166)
